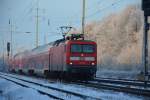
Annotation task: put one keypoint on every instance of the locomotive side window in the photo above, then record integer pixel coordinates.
(82, 48)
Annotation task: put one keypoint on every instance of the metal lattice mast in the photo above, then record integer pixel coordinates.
(37, 24)
(83, 17)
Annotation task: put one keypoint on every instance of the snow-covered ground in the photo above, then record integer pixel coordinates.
(119, 74)
(11, 91)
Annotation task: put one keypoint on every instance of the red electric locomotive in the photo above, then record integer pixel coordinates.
(65, 56)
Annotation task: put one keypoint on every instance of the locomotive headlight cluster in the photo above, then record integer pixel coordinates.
(71, 63)
(93, 63)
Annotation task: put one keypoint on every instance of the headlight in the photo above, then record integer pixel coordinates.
(70, 63)
(93, 63)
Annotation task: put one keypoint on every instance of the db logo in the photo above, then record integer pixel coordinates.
(82, 55)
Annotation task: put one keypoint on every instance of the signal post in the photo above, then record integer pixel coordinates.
(146, 9)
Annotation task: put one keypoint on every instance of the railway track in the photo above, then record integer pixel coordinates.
(117, 85)
(122, 79)
(53, 92)
(123, 82)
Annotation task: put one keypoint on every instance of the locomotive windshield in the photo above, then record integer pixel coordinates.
(82, 48)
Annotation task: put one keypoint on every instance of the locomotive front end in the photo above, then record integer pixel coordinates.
(82, 57)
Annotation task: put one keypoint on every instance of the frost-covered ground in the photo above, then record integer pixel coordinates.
(118, 74)
(102, 94)
(11, 91)
(121, 74)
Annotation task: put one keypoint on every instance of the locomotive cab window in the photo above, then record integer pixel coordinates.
(76, 48)
(88, 48)
(82, 48)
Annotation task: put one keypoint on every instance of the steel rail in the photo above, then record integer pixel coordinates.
(120, 88)
(52, 96)
(49, 87)
(122, 79)
(123, 82)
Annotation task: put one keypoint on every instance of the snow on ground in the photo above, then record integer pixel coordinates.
(117, 74)
(11, 91)
(99, 93)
